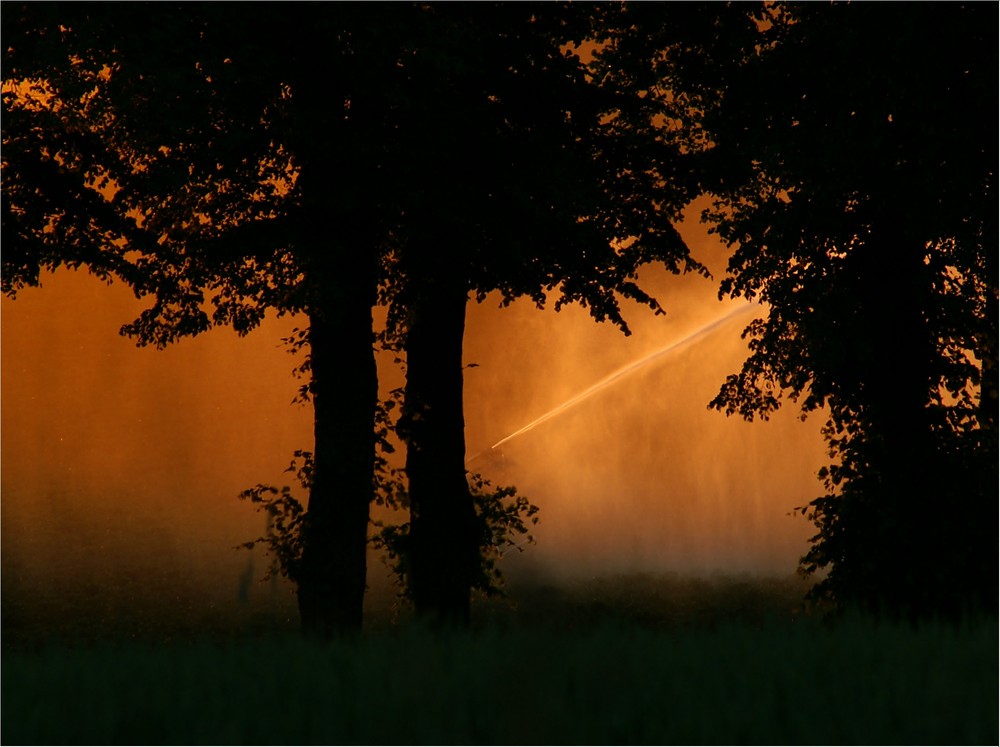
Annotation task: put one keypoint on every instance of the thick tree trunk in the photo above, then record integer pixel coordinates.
(442, 527)
(989, 387)
(931, 553)
(898, 390)
(344, 393)
(338, 230)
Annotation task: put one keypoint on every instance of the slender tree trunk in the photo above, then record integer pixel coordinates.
(344, 393)
(338, 232)
(442, 526)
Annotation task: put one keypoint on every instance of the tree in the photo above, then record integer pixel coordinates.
(852, 153)
(531, 184)
(192, 158)
(217, 150)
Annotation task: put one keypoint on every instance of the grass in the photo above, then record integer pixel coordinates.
(596, 663)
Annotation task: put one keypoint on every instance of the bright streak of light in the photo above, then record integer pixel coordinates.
(622, 373)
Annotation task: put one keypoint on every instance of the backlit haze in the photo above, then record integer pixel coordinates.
(121, 465)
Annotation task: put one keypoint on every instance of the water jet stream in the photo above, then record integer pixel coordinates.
(619, 374)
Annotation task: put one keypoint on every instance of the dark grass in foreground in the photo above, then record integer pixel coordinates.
(851, 683)
(620, 660)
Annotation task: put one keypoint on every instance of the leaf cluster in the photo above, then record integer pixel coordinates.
(287, 520)
(503, 517)
(853, 176)
(204, 157)
(503, 520)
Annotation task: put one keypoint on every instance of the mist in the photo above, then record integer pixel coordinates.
(121, 466)
(639, 476)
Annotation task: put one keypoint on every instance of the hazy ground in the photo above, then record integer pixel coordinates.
(122, 466)
(152, 608)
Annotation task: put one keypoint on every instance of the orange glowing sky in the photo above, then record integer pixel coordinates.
(120, 462)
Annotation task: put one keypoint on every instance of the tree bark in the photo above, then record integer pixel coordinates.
(344, 394)
(442, 525)
(338, 233)
(926, 557)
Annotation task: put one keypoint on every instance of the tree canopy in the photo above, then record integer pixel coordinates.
(853, 162)
(299, 159)
(320, 158)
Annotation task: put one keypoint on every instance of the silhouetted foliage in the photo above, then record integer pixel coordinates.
(317, 158)
(502, 515)
(224, 163)
(533, 186)
(851, 150)
(187, 150)
(286, 520)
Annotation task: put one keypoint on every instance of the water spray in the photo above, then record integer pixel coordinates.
(620, 374)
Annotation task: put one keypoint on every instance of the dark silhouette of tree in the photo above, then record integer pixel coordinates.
(291, 157)
(542, 178)
(228, 159)
(852, 153)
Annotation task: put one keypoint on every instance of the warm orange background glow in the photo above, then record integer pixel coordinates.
(641, 476)
(121, 466)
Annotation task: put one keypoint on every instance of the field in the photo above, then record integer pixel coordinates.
(646, 660)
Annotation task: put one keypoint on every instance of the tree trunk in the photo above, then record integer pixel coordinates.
(923, 553)
(338, 230)
(442, 526)
(344, 394)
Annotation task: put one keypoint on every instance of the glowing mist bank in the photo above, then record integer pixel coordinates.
(622, 373)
